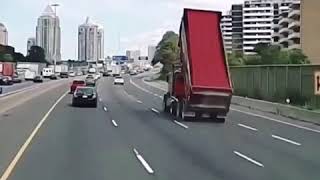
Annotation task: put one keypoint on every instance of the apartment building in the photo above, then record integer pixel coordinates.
(261, 20)
(226, 28)
(237, 28)
(287, 27)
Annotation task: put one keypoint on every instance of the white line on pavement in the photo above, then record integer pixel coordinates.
(100, 99)
(248, 159)
(276, 120)
(114, 123)
(180, 124)
(19, 154)
(143, 162)
(154, 110)
(105, 109)
(286, 140)
(138, 101)
(247, 127)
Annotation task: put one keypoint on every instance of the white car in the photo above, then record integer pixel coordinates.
(118, 80)
(72, 74)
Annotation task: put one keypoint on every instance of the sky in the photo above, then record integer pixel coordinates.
(128, 24)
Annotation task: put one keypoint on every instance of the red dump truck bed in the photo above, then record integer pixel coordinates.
(203, 52)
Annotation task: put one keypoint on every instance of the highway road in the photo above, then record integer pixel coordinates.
(18, 86)
(128, 137)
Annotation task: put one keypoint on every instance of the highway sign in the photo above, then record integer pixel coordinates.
(317, 83)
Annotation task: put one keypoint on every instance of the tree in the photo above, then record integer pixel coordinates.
(167, 51)
(36, 54)
(296, 56)
(235, 59)
(19, 57)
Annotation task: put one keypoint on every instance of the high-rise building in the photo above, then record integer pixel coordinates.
(3, 35)
(100, 42)
(237, 28)
(133, 55)
(287, 27)
(30, 42)
(226, 28)
(48, 34)
(151, 52)
(259, 17)
(90, 42)
(310, 28)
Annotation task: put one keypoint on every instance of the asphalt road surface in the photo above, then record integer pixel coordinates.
(128, 137)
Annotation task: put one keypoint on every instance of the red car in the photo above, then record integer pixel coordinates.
(75, 84)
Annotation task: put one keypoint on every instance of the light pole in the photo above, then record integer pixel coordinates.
(54, 37)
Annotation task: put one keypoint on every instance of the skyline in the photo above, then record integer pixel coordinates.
(128, 25)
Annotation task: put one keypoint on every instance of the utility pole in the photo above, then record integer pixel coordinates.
(54, 37)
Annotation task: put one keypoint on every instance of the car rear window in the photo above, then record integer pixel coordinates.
(118, 77)
(78, 82)
(85, 90)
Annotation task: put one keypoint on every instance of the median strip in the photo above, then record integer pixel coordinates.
(248, 159)
(286, 140)
(143, 162)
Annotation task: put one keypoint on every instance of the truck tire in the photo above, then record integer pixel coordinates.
(182, 109)
(173, 108)
(164, 104)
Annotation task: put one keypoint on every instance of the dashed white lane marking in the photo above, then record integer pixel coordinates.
(143, 162)
(138, 101)
(154, 110)
(114, 123)
(248, 159)
(100, 99)
(247, 127)
(180, 124)
(105, 109)
(17, 157)
(286, 140)
(276, 120)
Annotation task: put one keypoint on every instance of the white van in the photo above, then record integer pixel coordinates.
(47, 72)
(29, 75)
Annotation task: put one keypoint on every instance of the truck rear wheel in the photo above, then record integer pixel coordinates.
(182, 110)
(174, 108)
(164, 104)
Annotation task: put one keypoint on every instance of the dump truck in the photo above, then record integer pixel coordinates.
(199, 86)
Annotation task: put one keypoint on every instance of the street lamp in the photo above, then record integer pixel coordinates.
(54, 37)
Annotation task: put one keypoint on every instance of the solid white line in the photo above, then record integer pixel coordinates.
(149, 84)
(143, 162)
(247, 127)
(276, 120)
(180, 124)
(105, 109)
(154, 110)
(19, 154)
(114, 123)
(248, 159)
(138, 101)
(286, 140)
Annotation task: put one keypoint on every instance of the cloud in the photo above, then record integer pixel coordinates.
(143, 40)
